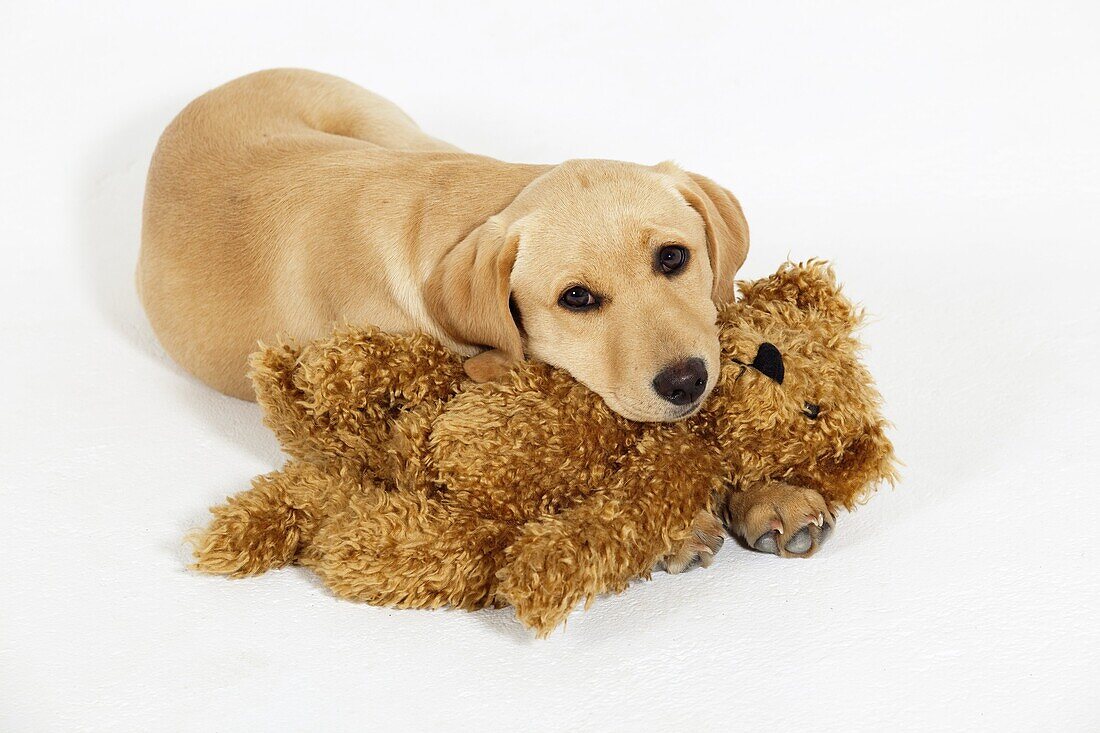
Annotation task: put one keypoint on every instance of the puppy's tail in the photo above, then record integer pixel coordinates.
(262, 528)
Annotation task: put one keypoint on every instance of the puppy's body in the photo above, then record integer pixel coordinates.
(284, 202)
(287, 201)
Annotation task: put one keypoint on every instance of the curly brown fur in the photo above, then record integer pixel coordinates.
(410, 487)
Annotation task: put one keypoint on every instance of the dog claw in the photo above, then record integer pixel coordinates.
(712, 543)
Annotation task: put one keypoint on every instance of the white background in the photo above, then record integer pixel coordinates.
(944, 155)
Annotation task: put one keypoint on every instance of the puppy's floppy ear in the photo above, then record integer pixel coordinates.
(808, 286)
(727, 230)
(468, 296)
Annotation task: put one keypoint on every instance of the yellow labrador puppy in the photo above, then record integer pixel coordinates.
(287, 201)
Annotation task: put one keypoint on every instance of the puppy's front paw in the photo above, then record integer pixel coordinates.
(780, 519)
(700, 548)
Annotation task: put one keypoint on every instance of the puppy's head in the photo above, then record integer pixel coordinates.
(612, 271)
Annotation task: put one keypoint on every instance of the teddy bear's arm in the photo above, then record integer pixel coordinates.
(264, 527)
(618, 534)
(388, 548)
(408, 550)
(338, 395)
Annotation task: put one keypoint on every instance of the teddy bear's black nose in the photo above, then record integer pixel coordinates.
(683, 382)
(769, 362)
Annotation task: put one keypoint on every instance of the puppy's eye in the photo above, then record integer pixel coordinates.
(577, 298)
(671, 258)
(811, 410)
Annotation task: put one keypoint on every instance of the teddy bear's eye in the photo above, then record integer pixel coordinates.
(811, 410)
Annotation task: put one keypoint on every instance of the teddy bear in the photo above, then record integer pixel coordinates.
(410, 486)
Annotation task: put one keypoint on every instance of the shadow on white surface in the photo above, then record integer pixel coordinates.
(112, 188)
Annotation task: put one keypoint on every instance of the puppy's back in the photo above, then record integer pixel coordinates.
(237, 180)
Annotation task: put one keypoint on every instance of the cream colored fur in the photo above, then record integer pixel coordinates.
(288, 201)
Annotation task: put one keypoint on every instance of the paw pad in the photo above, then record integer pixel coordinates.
(801, 542)
(782, 520)
(768, 542)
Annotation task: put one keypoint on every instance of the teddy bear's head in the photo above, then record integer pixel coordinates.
(795, 403)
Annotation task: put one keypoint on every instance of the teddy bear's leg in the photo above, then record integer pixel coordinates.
(263, 528)
(617, 534)
(403, 549)
(785, 520)
(341, 394)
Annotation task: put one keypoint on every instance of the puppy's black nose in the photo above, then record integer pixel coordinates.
(683, 382)
(769, 361)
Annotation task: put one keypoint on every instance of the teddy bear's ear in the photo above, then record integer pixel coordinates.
(276, 380)
(315, 397)
(338, 396)
(810, 287)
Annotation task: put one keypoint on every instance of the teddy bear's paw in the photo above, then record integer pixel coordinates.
(781, 520)
(540, 606)
(700, 548)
